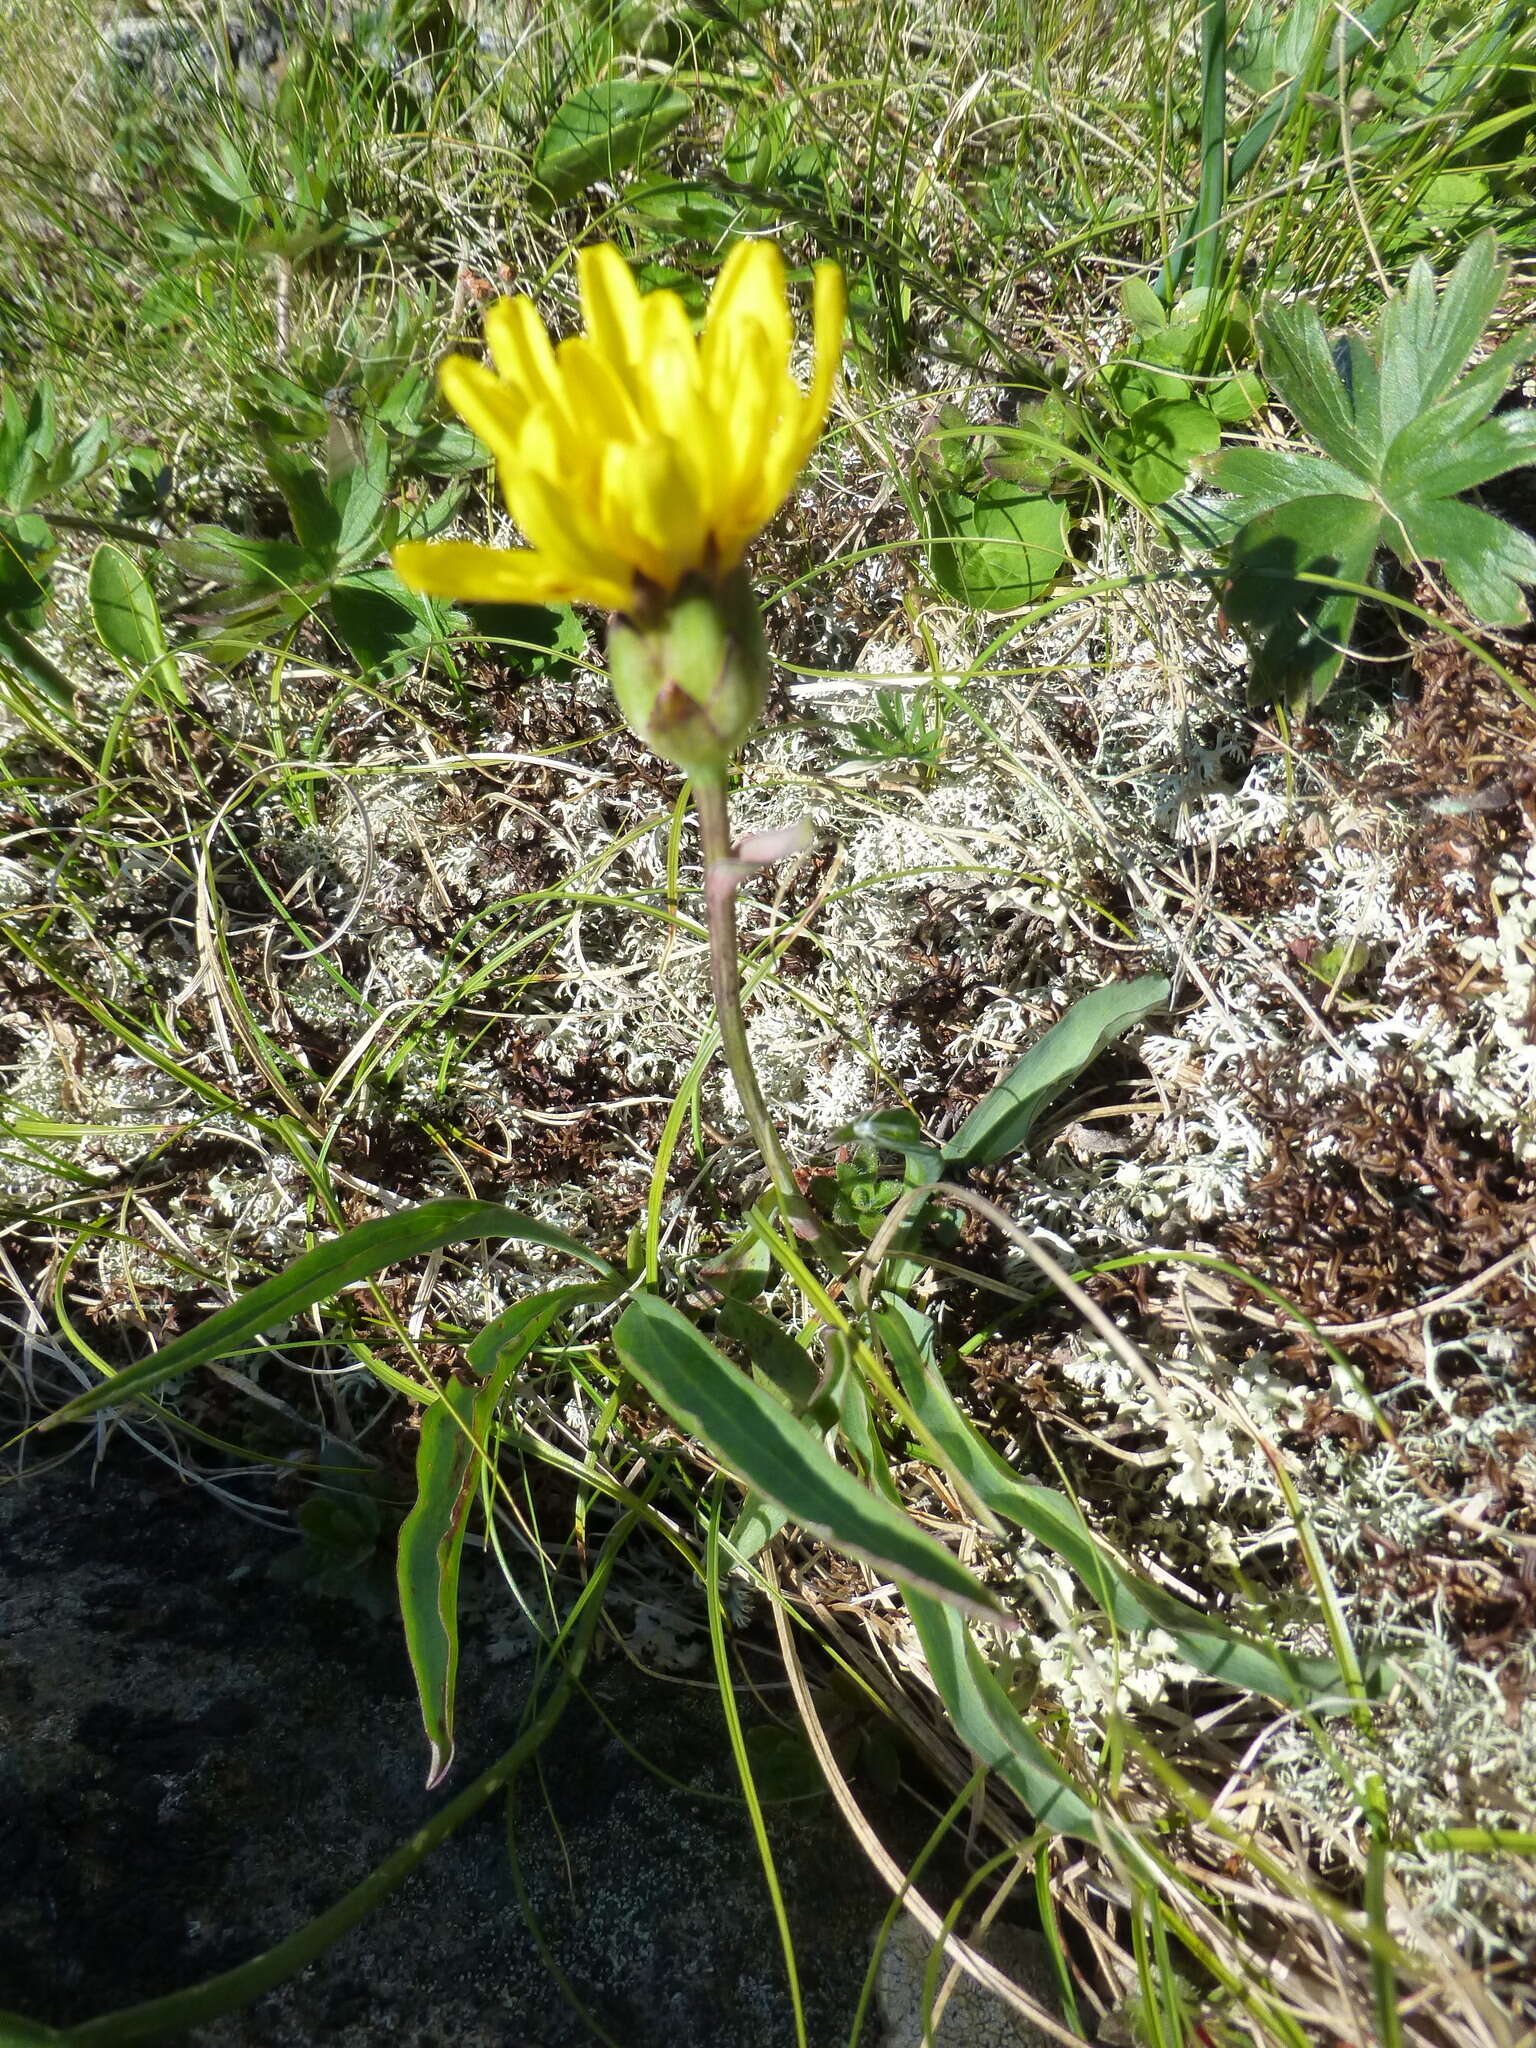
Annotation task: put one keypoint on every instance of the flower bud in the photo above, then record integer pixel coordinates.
(691, 674)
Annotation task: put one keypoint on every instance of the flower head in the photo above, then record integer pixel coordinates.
(635, 456)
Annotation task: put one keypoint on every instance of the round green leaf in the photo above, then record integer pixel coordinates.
(996, 548)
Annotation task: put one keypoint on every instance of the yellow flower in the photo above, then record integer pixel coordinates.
(635, 455)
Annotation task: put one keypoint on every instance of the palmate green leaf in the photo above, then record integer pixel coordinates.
(1132, 1601)
(1299, 631)
(752, 1434)
(356, 1255)
(1002, 1121)
(1406, 431)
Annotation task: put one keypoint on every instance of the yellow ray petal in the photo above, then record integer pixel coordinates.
(610, 304)
(569, 529)
(468, 573)
(490, 409)
(596, 397)
(648, 514)
(749, 289)
(520, 349)
(830, 317)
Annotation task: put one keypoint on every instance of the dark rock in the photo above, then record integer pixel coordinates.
(196, 1758)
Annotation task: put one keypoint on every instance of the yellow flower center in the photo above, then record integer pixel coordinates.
(635, 450)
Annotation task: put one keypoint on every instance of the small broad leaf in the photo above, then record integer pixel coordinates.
(1143, 308)
(1299, 632)
(382, 625)
(26, 550)
(127, 622)
(602, 130)
(748, 1430)
(1002, 1121)
(997, 548)
(1160, 444)
(1236, 399)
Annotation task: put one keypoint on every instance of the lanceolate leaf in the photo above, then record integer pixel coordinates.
(602, 130)
(1132, 1601)
(451, 1454)
(1002, 1121)
(427, 1565)
(751, 1433)
(355, 1255)
(991, 1725)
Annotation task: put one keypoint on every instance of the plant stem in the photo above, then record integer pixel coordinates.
(721, 878)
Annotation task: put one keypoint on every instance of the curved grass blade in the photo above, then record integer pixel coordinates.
(355, 1255)
(748, 1430)
(1002, 1121)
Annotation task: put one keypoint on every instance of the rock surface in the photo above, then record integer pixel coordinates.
(196, 1758)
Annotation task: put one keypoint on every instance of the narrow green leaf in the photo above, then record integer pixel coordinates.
(1002, 1121)
(991, 1725)
(451, 1453)
(1132, 1601)
(602, 130)
(127, 621)
(1298, 631)
(427, 1566)
(356, 1255)
(748, 1430)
